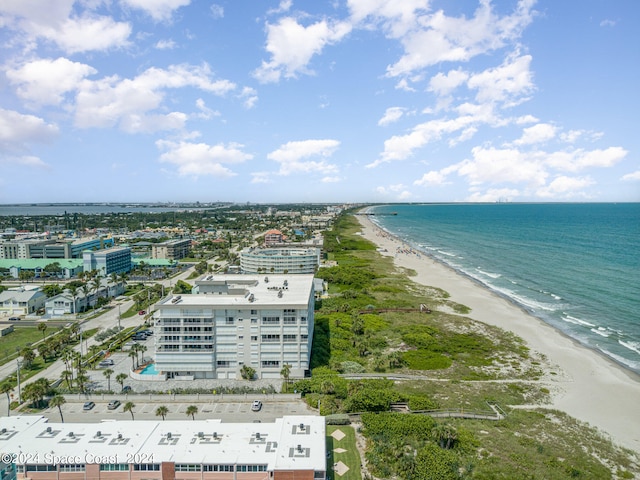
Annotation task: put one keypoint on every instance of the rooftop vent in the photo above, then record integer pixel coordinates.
(119, 436)
(215, 434)
(70, 434)
(48, 429)
(98, 434)
(4, 430)
(301, 426)
(279, 293)
(299, 448)
(251, 298)
(286, 283)
(266, 279)
(257, 436)
(169, 435)
(200, 434)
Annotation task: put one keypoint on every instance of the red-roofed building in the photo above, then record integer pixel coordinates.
(273, 237)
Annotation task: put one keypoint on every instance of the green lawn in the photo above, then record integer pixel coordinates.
(350, 457)
(20, 337)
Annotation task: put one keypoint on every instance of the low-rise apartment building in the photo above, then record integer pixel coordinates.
(108, 261)
(171, 249)
(264, 322)
(292, 447)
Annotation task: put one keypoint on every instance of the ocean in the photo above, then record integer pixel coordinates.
(574, 266)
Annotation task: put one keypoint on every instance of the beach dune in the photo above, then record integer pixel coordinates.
(590, 387)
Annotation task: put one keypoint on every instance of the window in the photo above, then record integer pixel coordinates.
(304, 338)
(271, 338)
(71, 467)
(229, 321)
(188, 467)
(254, 338)
(303, 320)
(223, 363)
(271, 320)
(147, 467)
(270, 363)
(289, 320)
(251, 468)
(114, 467)
(217, 468)
(289, 338)
(39, 468)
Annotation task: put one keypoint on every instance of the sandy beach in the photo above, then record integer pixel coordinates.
(591, 388)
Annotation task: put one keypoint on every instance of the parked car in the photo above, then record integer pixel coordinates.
(142, 312)
(106, 363)
(14, 319)
(126, 389)
(113, 404)
(88, 405)
(256, 405)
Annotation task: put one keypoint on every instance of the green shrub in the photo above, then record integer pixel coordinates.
(425, 360)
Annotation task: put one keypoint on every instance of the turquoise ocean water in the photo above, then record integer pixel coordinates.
(575, 266)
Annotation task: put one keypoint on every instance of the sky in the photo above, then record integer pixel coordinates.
(319, 101)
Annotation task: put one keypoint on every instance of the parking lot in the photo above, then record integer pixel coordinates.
(231, 408)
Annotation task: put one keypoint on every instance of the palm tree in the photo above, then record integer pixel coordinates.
(28, 356)
(58, 401)
(82, 380)
(6, 387)
(67, 376)
(191, 411)
(128, 407)
(107, 373)
(285, 372)
(120, 378)
(162, 411)
(134, 356)
(73, 291)
(42, 327)
(445, 435)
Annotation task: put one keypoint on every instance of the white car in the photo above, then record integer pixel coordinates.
(256, 405)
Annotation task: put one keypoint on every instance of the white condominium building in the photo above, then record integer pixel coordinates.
(280, 260)
(229, 321)
(292, 447)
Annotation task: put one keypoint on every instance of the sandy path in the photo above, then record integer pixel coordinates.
(592, 388)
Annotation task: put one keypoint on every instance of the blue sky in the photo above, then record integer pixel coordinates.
(307, 101)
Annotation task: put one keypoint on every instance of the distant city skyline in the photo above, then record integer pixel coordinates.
(368, 101)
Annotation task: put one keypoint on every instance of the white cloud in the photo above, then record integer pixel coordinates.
(391, 115)
(45, 81)
(398, 191)
(159, 10)
(18, 130)
(507, 83)
(431, 178)
(290, 157)
(217, 11)
(579, 159)
(632, 177)
(608, 23)
(200, 159)
(442, 84)
(331, 179)
(166, 44)
(565, 187)
(292, 46)
(440, 38)
(397, 17)
(539, 133)
(400, 147)
(86, 33)
(249, 97)
(492, 166)
(261, 177)
(494, 195)
(127, 103)
(283, 6)
(524, 119)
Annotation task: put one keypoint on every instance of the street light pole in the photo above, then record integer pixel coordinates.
(119, 327)
(18, 375)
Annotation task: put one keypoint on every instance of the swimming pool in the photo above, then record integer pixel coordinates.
(150, 370)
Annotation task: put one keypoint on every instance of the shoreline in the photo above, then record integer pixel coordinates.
(591, 387)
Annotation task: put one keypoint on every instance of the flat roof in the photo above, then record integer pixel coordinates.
(248, 290)
(291, 442)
